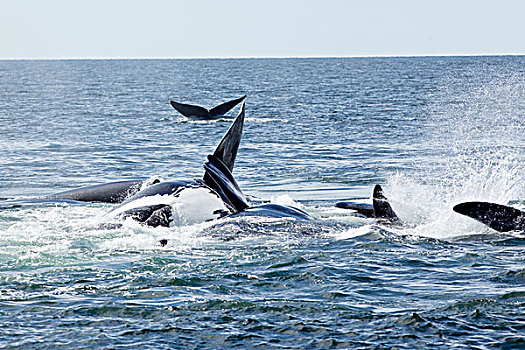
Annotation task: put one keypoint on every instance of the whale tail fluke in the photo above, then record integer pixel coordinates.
(382, 209)
(190, 111)
(379, 209)
(499, 217)
(224, 108)
(198, 112)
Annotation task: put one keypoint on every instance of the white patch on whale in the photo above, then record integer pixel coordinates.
(191, 206)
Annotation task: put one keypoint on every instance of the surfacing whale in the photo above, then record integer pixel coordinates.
(198, 112)
(499, 217)
(156, 205)
(216, 196)
(119, 191)
(379, 209)
(223, 183)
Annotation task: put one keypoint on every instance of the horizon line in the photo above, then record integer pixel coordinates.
(255, 57)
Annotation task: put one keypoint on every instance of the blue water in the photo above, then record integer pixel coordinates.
(433, 131)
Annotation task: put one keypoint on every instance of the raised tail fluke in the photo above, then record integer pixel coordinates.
(224, 108)
(382, 209)
(198, 112)
(191, 111)
(499, 217)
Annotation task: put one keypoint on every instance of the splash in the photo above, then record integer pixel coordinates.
(475, 152)
(286, 199)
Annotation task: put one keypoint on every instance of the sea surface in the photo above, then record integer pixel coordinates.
(434, 131)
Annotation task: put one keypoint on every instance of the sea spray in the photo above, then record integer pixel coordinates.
(476, 145)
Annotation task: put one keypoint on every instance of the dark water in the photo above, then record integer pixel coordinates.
(434, 131)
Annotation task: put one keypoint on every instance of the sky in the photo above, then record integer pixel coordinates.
(42, 29)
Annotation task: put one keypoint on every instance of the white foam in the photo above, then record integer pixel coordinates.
(426, 208)
(355, 232)
(285, 199)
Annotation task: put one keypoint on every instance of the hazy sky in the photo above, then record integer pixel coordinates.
(253, 28)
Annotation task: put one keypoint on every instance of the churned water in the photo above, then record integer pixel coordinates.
(434, 131)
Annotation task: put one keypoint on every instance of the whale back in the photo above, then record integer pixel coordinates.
(112, 192)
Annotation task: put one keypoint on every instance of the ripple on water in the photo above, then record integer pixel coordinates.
(320, 131)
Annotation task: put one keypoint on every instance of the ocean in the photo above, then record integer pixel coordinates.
(433, 131)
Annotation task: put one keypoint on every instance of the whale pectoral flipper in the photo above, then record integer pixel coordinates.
(499, 217)
(382, 209)
(191, 110)
(225, 107)
(226, 187)
(364, 209)
(224, 183)
(226, 150)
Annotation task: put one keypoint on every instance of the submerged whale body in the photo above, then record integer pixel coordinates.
(379, 209)
(198, 112)
(499, 217)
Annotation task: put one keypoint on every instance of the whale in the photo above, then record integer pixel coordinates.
(159, 204)
(499, 217)
(156, 204)
(216, 196)
(379, 209)
(225, 185)
(111, 192)
(118, 192)
(198, 112)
